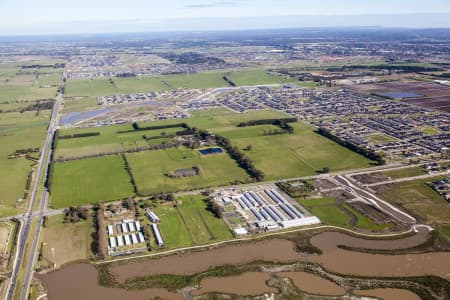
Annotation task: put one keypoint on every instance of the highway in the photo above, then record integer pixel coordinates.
(29, 216)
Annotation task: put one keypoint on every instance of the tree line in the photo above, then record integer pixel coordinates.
(283, 124)
(366, 152)
(78, 135)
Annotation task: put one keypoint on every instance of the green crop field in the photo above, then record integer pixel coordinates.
(18, 131)
(89, 181)
(302, 153)
(18, 93)
(81, 104)
(53, 79)
(418, 198)
(150, 169)
(190, 223)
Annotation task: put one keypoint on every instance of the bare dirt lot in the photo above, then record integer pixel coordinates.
(435, 96)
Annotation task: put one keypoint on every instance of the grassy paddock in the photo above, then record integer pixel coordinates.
(149, 169)
(89, 181)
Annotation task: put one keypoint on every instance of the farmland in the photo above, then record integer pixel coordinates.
(256, 77)
(18, 131)
(111, 138)
(150, 170)
(89, 181)
(302, 153)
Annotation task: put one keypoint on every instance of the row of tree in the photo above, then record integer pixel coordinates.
(283, 124)
(78, 135)
(366, 152)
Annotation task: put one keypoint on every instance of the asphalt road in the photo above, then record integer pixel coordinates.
(28, 219)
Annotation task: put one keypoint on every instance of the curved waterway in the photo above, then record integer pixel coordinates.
(79, 281)
(69, 281)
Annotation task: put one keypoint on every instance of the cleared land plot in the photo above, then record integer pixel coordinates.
(18, 131)
(302, 153)
(5, 231)
(79, 104)
(418, 198)
(89, 181)
(150, 168)
(403, 173)
(435, 96)
(66, 242)
(173, 230)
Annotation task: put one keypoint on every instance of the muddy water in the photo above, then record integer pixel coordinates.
(79, 281)
(389, 294)
(247, 284)
(348, 262)
(313, 284)
(195, 262)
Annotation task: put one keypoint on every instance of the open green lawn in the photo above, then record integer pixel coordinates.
(53, 79)
(149, 169)
(89, 181)
(302, 153)
(18, 131)
(190, 223)
(419, 198)
(429, 130)
(66, 242)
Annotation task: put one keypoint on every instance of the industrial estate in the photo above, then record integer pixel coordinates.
(285, 164)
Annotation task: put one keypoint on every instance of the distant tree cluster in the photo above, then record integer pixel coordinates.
(191, 58)
(283, 124)
(78, 135)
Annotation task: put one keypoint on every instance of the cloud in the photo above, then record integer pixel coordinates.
(213, 4)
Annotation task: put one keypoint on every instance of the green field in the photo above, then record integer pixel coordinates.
(190, 223)
(330, 213)
(418, 198)
(110, 139)
(210, 79)
(327, 211)
(103, 87)
(18, 131)
(149, 169)
(79, 104)
(89, 181)
(302, 153)
(257, 77)
(18, 93)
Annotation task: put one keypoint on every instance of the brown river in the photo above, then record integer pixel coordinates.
(69, 281)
